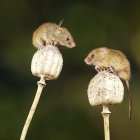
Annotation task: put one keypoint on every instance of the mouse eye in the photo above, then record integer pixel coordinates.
(92, 56)
(67, 38)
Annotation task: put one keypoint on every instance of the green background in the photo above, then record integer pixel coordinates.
(64, 111)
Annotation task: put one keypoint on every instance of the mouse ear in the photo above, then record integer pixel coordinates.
(61, 22)
(104, 50)
(59, 30)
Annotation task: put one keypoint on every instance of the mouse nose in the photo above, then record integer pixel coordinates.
(71, 44)
(87, 61)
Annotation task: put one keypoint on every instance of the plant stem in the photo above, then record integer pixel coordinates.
(41, 85)
(106, 113)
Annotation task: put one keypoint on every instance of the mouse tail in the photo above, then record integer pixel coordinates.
(130, 100)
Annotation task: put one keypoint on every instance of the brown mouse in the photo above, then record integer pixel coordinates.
(52, 34)
(114, 61)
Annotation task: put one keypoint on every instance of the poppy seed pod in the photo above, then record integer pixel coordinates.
(105, 89)
(47, 62)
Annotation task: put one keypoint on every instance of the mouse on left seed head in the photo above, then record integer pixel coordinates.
(52, 34)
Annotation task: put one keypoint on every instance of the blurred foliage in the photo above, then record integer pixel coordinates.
(64, 111)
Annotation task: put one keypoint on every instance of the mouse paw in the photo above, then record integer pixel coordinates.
(106, 69)
(101, 69)
(111, 70)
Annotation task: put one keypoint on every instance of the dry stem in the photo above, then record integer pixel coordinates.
(106, 113)
(41, 84)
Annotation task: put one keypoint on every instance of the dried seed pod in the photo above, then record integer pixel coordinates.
(47, 62)
(105, 89)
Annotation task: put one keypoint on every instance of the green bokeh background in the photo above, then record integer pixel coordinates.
(64, 111)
